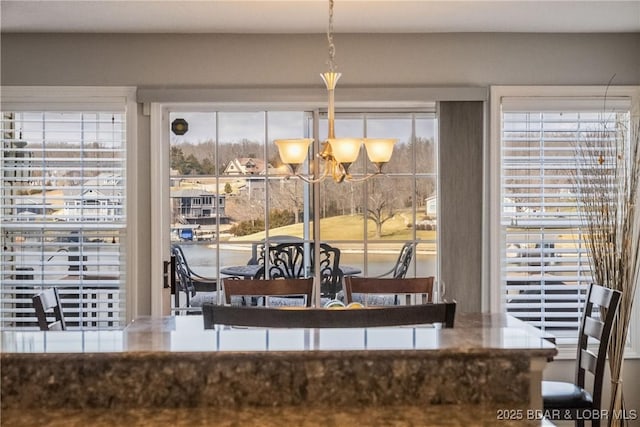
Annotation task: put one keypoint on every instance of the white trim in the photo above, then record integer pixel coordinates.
(133, 238)
(159, 170)
(485, 279)
(25, 98)
(160, 214)
(299, 97)
(96, 97)
(494, 288)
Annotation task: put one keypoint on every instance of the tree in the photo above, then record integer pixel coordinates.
(287, 195)
(227, 188)
(382, 203)
(177, 158)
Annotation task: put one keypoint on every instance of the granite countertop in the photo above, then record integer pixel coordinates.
(171, 371)
(382, 416)
(473, 333)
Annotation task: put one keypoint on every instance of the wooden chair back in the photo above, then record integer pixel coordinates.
(598, 328)
(421, 286)
(443, 313)
(573, 400)
(45, 301)
(269, 287)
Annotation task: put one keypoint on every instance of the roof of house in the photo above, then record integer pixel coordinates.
(191, 192)
(245, 166)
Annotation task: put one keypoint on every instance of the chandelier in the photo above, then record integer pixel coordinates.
(337, 153)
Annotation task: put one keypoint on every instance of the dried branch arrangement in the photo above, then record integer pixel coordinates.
(606, 180)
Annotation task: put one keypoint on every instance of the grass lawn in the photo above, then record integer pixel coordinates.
(350, 227)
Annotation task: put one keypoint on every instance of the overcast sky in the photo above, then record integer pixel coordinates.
(291, 124)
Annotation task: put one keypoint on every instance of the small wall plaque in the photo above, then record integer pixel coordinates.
(179, 126)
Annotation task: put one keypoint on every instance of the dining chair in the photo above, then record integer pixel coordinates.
(363, 289)
(441, 313)
(285, 260)
(273, 291)
(257, 249)
(295, 259)
(400, 268)
(331, 276)
(46, 300)
(574, 401)
(196, 287)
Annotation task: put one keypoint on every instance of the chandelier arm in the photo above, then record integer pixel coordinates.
(364, 178)
(311, 179)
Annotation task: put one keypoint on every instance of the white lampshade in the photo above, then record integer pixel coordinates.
(293, 151)
(345, 150)
(379, 150)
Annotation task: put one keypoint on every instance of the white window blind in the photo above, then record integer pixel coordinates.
(63, 217)
(545, 264)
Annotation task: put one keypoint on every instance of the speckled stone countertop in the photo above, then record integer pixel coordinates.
(172, 367)
(379, 416)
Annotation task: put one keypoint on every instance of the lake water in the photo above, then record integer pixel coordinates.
(202, 258)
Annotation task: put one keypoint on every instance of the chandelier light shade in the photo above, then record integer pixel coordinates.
(379, 150)
(345, 150)
(337, 153)
(293, 152)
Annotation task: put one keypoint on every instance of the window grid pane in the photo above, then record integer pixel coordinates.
(545, 264)
(263, 203)
(63, 216)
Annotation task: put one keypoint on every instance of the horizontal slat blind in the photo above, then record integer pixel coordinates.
(545, 265)
(63, 216)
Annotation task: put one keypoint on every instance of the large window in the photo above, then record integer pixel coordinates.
(544, 267)
(229, 156)
(63, 211)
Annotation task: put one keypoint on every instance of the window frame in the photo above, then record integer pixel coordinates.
(89, 97)
(494, 287)
(160, 113)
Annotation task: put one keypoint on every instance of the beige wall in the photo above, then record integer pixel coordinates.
(232, 61)
(276, 60)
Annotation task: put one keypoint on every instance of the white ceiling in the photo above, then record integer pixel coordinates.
(310, 16)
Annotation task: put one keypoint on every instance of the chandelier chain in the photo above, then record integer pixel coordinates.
(332, 47)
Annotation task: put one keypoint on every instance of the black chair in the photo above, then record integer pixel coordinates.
(45, 301)
(287, 260)
(443, 313)
(197, 288)
(398, 271)
(257, 249)
(421, 286)
(572, 400)
(271, 288)
(331, 277)
(401, 266)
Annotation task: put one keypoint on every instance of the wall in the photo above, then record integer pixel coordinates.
(228, 61)
(292, 60)
(460, 139)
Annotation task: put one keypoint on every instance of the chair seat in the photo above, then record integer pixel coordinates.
(212, 297)
(561, 395)
(283, 302)
(369, 299)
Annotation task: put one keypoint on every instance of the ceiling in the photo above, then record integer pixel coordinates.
(310, 16)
